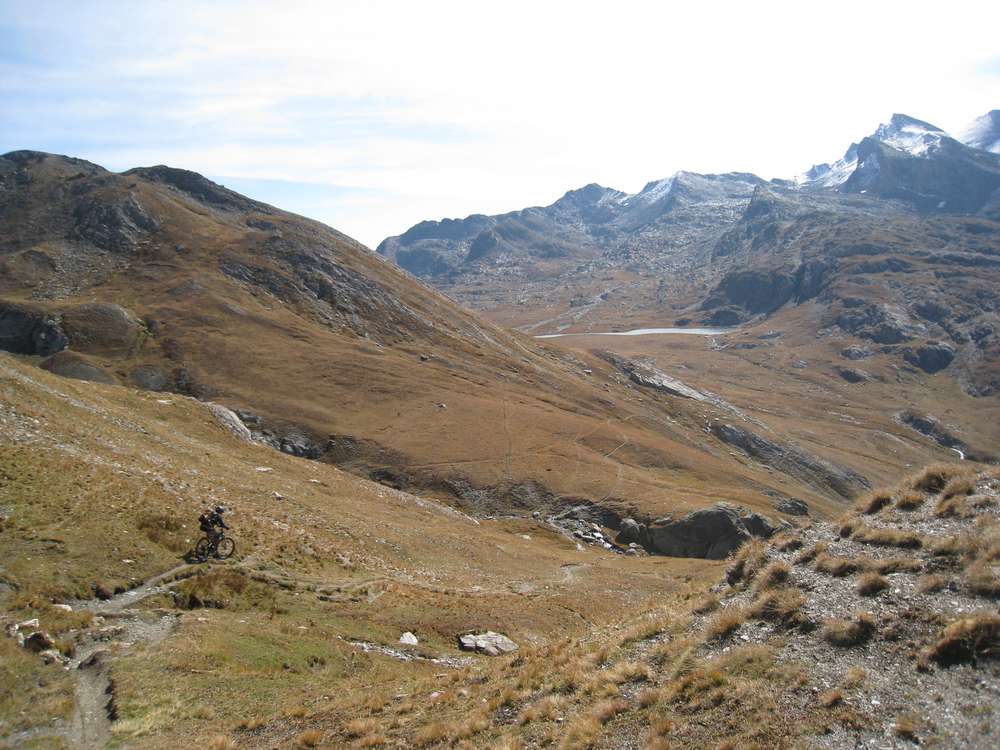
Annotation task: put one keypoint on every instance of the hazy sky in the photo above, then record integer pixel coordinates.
(371, 116)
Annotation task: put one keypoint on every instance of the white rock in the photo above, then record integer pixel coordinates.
(408, 639)
(263, 469)
(62, 607)
(32, 623)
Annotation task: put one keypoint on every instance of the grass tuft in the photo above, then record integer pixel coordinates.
(872, 583)
(873, 502)
(966, 640)
(725, 623)
(847, 633)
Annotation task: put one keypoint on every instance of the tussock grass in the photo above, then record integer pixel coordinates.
(807, 556)
(831, 698)
(709, 604)
(773, 575)
(896, 565)
(221, 742)
(725, 623)
(749, 560)
(910, 500)
(847, 633)
(871, 503)
(961, 485)
(905, 728)
(786, 542)
(981, 580)
(309, 738)
(360, 727)
(871, 583)
(781, 606)
(838, 566)
(931, 583)
(965, 640)
(848, 525)
(855, 677)
(888, 537)
(933, 478)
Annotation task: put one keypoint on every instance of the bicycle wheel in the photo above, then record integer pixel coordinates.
(225, 548)
(202, 548)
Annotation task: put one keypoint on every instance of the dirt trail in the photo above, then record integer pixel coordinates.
(118, 630)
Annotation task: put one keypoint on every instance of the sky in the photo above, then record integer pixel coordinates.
(372, 116)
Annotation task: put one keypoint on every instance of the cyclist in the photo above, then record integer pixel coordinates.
(212, 524)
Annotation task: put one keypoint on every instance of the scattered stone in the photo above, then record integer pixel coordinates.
(408, 639)
(856, 353)
(792, 507)
(264, 469)
(51, 656)
(62, 607)
(800, 364)
(489, 643)
(852, 375)
(277, 495)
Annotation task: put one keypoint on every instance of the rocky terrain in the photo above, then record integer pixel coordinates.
(896, 243)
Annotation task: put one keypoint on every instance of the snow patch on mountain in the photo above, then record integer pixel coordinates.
(652, 192)
(983, 133)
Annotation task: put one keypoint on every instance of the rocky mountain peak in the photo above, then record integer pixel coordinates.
(983, 133)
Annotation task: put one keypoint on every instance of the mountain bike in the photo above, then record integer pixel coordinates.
(221, 548)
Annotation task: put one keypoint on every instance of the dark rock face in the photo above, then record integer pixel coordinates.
(113, 227)
(711, 533)
(72, 365)
(26, 330)
(852, 375)
(198, 187)
(810, 469)
(792, 507)
(932, 357)
(882, 324)
(856, 353)
(103, 329)
(726, 316)
(149, 378)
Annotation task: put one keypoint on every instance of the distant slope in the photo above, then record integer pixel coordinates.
(160, 279)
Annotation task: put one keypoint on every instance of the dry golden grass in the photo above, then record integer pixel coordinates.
(873, 502)
(749, 560)
(649, 697)
(605, 711)
(807, 556)
(725, 623)
(838, 566)
(931, 583)
(933, 478)
(309, 738)
(846, 633)
(709, 604)
(896, 565)
(581, 733)
(872, 583)
(960, 485)
(964, 640)
(906, 728)
(888, 537)
(786, 542)
(830, 698)
(848, 525)
(433, 733)
(910, 500)
(360, 727)
(781, 606)
(981, 580)
(855, 677)
(775, 574)
(221, 742)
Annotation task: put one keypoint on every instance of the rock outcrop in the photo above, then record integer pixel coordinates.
(489, 643)
(28, 330)
(711, 533)
(812, 470)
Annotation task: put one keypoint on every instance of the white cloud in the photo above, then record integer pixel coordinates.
(446, 108)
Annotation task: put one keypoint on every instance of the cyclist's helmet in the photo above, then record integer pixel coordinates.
(220, 509)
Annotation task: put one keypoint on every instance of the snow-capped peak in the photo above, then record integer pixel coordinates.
(984, 132)
(653, 191)
(902, 132)
(909, 134)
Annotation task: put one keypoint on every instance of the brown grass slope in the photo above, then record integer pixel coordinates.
(228, 299)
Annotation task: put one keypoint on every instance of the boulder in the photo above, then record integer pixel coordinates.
(28, 330)
(856, 353)
(408, 639)
(758, 525)
(852, 375)
(932, 357)
(228, 419)
(72, 365)
(103, 329)
(792, 507)
(149, 378)
(489, 643)
(631, 532)
(711, 533)
(39, 641)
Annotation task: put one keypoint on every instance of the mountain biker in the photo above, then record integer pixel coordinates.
(212, 524)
